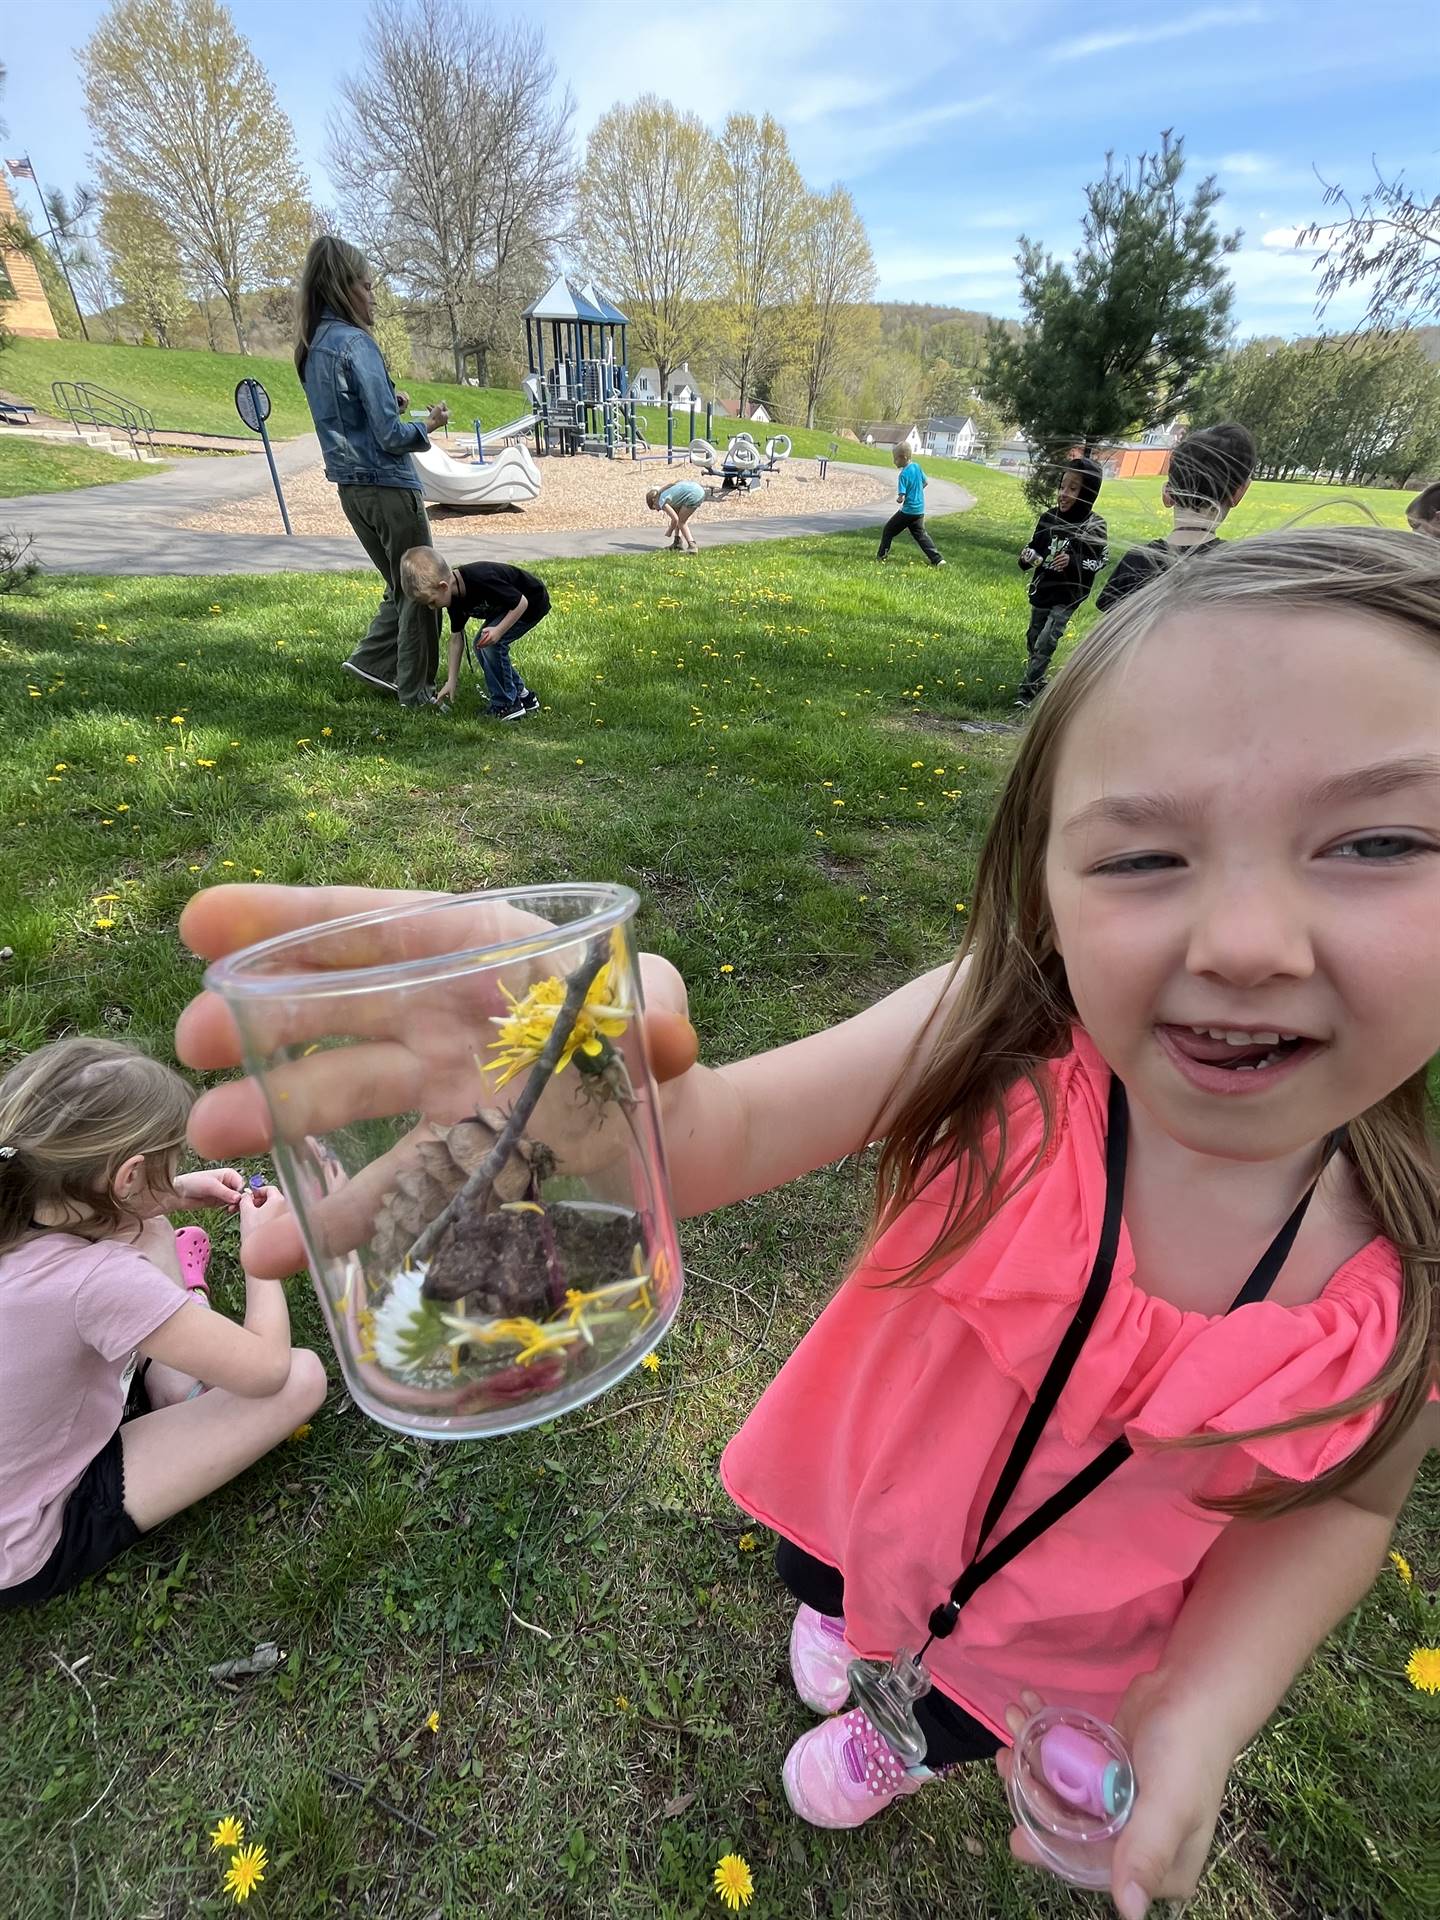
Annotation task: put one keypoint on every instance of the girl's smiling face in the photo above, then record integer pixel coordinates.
(1245, 841)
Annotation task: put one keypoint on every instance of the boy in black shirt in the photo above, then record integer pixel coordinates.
(1209, 472)
(1066, 551)
(507, 601)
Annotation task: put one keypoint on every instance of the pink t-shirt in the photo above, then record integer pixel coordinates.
(72, 1312)
(878, 1445)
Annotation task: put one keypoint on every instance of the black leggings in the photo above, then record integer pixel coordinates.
(951, 1734)
(914, 525)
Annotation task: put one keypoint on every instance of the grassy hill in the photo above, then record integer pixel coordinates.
(194, 392)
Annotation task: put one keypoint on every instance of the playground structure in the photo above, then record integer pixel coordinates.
(580, 398)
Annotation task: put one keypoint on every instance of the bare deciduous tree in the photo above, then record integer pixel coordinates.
(1392, 245)
(452, 155)
(186, 117)
(647, 221)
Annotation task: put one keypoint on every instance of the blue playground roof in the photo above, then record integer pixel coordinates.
(606, 308)
(564, 302)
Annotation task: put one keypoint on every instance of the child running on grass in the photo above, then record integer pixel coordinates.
(1158, 1205)
(910, 486)
(508, 602)
(1063, 556)
(99, 1296)
(677, 502)
(1209, 473)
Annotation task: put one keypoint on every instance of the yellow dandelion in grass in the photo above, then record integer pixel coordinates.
(325, 732)
(245, 1872)
(229, 1833)
(103, 925)
(651, 1363)
(747, 1543)
(227, 863)
(1402, 1567)
(177, 719)
(432, 1720)
(733, 1882)
(203, 763)
(302, 1432)
(1422, 1669)
(727, 968)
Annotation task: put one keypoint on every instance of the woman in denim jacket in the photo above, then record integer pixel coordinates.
(367, 448)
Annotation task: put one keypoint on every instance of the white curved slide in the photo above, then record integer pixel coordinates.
(510, 479)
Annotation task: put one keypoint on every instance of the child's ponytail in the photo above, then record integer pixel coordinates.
(71, 1115)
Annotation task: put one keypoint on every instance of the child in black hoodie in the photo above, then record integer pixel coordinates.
(1066, 551)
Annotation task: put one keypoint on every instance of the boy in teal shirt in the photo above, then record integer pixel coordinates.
(910, 496)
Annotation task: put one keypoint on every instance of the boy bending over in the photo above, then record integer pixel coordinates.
(507, 601)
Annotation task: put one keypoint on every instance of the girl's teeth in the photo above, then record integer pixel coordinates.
(1238, 1039)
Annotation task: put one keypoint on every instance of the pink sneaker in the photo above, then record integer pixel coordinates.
(841, 1772)
(820, 1660)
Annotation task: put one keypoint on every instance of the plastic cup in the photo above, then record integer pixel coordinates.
(1072, 1788)
(492, 1242)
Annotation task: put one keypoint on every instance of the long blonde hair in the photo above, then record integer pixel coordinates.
(332, 266)
(1014, 1012)
(71, 1115)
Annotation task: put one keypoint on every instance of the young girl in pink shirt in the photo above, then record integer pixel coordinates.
(1127, 1386)
(102, 1304)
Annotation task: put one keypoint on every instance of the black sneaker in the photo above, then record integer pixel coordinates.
(530, 701)
(517, 712)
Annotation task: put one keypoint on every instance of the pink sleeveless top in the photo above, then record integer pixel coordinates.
(877, 1446)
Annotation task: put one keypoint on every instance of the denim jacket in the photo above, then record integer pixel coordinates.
(363, 438)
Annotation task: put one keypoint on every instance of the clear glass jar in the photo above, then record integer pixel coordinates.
(464, 1120)
(1072, 1787)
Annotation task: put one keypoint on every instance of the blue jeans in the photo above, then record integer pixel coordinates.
(502, 682)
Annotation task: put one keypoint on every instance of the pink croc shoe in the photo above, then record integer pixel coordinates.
(820, 1660)
(842, 1772)
(192, 1250)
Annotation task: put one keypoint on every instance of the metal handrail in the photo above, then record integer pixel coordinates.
(82, 403)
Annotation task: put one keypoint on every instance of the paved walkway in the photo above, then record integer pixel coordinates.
(132, 528)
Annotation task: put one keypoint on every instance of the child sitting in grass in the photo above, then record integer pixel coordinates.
(1423, 512)
(507, 601)
(99, 1299)
(677, 502)
(1209, 473)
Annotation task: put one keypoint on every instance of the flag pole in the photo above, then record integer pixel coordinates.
(54, 242)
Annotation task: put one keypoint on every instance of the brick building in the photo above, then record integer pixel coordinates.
(28, 311)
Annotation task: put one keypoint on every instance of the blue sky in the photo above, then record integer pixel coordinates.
(957, 130)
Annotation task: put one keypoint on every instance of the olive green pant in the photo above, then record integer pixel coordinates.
(401, 651)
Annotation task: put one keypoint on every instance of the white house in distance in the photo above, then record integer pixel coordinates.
(681, 387)
(889, 433)
(953, 438)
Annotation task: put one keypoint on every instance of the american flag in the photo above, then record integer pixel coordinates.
(21, 169)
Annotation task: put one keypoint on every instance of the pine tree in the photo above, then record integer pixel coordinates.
(1114, 343)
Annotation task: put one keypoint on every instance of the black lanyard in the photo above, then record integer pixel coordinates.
(983, 1565)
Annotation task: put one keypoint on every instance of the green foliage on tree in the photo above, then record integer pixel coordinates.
(761, 203)
(1115, 342)
(146, 265)
(1359, 411)
(391, 333)
(186, 119)
(648, 226)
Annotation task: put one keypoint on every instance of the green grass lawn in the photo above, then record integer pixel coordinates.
(194, 392)
(769, 743)
(50, 466)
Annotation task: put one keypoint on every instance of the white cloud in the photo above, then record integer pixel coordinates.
(1252, 164)
(1116, 40)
